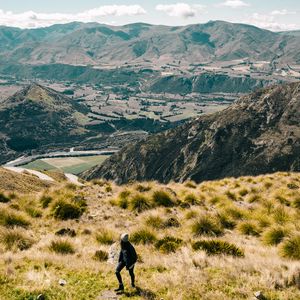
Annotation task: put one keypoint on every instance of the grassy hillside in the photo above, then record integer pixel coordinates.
(20, 183)
(218, 240)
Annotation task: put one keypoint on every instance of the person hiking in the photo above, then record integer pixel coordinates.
(127, 258)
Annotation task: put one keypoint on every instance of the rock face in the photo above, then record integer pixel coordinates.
(260, 133)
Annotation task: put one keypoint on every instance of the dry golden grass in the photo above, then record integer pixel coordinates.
(168, 266)
(22, 183)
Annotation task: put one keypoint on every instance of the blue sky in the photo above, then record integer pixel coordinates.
(274, 15)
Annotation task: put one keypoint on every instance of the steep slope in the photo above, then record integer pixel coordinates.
(258, 134)
(38, 116)
(95, 44)
(21, 183)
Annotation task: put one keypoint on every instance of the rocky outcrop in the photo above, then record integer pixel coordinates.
(260, 133)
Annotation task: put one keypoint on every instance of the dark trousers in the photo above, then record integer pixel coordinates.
(119, 268)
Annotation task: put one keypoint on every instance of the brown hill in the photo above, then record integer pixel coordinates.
(38, 116)
(258, 134)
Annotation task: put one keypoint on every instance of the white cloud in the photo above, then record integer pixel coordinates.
(181, 10)
(31, 19)
(234, 3)
(282, 12)
(269, 22)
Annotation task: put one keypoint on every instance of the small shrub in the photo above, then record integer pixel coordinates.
(140, 203)
(206, 225)
(143, 236)
(291, 248)
(62, 247)
(162, 198)
(218, 247)
(45, 201)
(154, 222)
(100, 255)
(3, 198)
(248, 228)
(274, 236)
(65, 210)
(171, 222)
(105, 237)
(14, 239)
(10, 219)
(168, 244)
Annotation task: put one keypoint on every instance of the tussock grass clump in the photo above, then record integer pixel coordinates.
(15, 239)
(190, 184)
(253, 198)
(62, 247)
(162, 198)
(143, 236)
(64, 210)
(226, 221)
(4, 198)
(248, 228)
(33, 212)
(100, 255)
(235, 212)
(292, 186)
(243, 192)
(11, 219)
(218, 247)
(121, 202)
(207, 225)
(154, 222)
(280, 215)
(171, 222)
(45, 201)
(191, 199)
(296, 202)
(274, 236)
(290, 248)
(231, 195)
(191, 214)
(142, 188)
(105, 237)
(139, 203)
(168, 244)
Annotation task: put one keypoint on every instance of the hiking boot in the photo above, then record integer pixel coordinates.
(120, 288)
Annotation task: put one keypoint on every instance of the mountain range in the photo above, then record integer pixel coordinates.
(98, 44)
(258, 134)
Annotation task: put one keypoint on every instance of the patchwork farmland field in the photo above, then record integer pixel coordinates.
(73, 165)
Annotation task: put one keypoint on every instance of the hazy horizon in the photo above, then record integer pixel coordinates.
(275, 15)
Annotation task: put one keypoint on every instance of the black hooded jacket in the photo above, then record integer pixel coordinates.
(127, 254)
